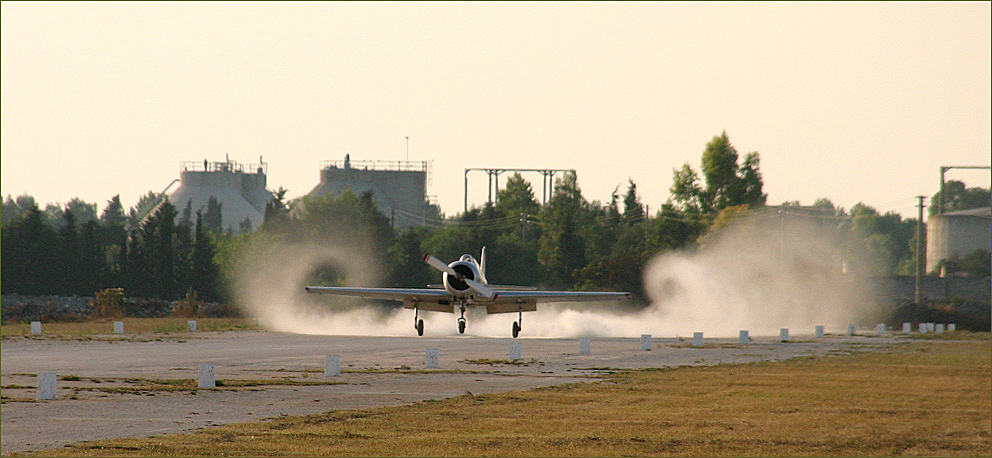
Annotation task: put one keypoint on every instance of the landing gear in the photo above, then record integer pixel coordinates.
(418, 324)
(461, 320)
(517, 325)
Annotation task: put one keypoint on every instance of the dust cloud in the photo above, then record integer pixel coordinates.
(760, 275)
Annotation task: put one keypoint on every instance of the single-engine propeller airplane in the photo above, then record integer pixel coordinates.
(465, 285)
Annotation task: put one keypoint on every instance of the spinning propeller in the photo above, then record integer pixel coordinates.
(480, 288)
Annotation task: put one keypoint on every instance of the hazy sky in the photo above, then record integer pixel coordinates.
(849, 101)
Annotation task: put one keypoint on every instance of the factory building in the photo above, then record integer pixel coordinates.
(399, 187)
(240, 189)
(957, 233)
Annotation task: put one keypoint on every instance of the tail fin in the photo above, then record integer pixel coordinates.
(482, 263)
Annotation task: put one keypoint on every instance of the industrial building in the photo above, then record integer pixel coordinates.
(399, 187)
(240, 189)
(957, 234)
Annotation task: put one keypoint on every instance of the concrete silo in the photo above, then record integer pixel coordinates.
(957, 233)
(399, 187)
(239, 189)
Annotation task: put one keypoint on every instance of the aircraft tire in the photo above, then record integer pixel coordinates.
(516, 329)
(420, 327)
(461, 326)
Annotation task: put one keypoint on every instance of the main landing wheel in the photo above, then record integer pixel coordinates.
(420, 327)
(461, 326)
(516, 329)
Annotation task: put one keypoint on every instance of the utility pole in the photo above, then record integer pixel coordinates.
(920, 255)
(408, 148)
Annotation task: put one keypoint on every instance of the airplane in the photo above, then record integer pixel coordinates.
(465, 285)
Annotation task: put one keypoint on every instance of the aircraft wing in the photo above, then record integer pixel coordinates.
(513, 296)
(389, 294)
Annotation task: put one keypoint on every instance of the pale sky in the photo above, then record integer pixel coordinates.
(848, 101)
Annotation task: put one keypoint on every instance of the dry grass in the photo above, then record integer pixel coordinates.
(132, 326)
(928, 398)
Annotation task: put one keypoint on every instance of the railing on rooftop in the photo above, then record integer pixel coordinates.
(223, 166)
(395, 166)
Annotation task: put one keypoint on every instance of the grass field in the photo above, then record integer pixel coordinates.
(924, 398)
(131, 326)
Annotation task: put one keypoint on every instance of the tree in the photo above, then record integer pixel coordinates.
(205, 274)
(633, 211)
(68, 266)
(719, 165)
(113, 213)
(749, 183)
(516, 198)
(165, 259)
(407, 253)
(29, 249)
(957, 196)
(83, 212)
(562, 250)
(345, 221)
(113, 240)
(728, 184)
(687, 194)
(277, 219)
(213, 220)
(14, 208)
(143, 208)
(152, 255)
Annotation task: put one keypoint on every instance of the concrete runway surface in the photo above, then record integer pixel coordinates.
(386, 371)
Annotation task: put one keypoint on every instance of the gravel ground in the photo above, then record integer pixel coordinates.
(378, 371)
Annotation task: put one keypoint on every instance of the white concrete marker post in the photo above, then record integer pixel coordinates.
(332, 366)
(783, 335)
(744, 338)
(515, 350)
(191, 325)
(208, 378)
(923, 328)
(852, 330)
(907, 328)
(697, 339)
(931, 327)
(818, 331)
(47, 386)
(35, 327)
(118, 327)
(646, 342)
(585, 346)
(940, 329)
(432, 359)
(952, 327)
(880, 329)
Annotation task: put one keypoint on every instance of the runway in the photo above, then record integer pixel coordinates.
(377, 371)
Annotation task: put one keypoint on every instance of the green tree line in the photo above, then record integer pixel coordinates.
(568, 242)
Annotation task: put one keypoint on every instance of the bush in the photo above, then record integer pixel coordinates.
(109, 303)
(967, 315)
(188, 307)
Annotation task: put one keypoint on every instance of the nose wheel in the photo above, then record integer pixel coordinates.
(461, 319)
(516, 329)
